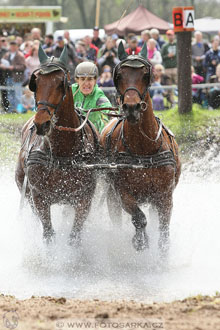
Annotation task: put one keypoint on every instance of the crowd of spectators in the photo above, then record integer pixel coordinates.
(19, 58)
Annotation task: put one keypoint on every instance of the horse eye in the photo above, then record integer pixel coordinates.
(60, 85)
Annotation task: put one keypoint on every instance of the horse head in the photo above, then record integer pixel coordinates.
(132, 78)
(49, 83)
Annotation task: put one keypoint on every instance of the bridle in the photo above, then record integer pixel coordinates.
(130, 62)
(46, 104)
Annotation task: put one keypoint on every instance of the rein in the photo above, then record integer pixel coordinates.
(71, 129)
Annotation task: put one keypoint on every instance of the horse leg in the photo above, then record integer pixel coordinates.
(138, 218)
(140, 239)
(164, 208)
(81, 214)
(114, 207)
(42, 210)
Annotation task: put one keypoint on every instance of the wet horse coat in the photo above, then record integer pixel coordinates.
(53, 149)
(140, 139)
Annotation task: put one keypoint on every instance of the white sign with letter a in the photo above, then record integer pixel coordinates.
(188, 19)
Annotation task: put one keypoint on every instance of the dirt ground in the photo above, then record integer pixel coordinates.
(197, 313)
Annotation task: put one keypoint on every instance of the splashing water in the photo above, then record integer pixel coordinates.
(106, 266)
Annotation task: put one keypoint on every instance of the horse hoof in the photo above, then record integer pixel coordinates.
(140, 241)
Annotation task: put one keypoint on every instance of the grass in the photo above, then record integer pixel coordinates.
(10, 128)
(14, 119)
(191, 127)
(195, 127)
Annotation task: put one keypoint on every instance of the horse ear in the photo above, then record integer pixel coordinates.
(42, 55)
(143, 52)
(122, 55)
(64, 56)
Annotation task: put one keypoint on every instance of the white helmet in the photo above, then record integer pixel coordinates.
(86, 69)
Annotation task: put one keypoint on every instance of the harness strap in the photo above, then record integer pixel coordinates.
(158, 133)
(88, 161)
(109, 136)
(37, 157)
(160, 158)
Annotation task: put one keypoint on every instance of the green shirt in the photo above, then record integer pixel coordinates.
(96, 99)
(169, 62)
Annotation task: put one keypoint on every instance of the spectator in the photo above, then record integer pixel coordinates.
(72, 56)
(153, 54)
(217, 38)
(169, 56)
(132, 42)
(27, 101)
(161, 79)
(91, 49)
(14, 67)
(48, 44)
(66, 36)
(32, 62)
(212, 58)
(3, 51)
(27, 48)
(36, 35)
(155, 34)
(19, 41)
(199, 48)
(214, 92)
(81, 50)
(114, 39)
(198, 95)
(105, 80)
(108, 54)
(96, 40)
(145, 36)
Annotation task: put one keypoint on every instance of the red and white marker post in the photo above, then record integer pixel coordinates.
(183, 21)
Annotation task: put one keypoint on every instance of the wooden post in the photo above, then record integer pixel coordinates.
(184, 71)
(97, 13)
(183, 22)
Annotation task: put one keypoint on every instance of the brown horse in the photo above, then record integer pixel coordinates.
(54, 147)
(144, 149)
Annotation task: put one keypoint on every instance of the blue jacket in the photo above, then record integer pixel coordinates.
(209, 57)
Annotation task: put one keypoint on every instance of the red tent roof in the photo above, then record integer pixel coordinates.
(137, 21)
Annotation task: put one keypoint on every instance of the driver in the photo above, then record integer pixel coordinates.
(87, 94)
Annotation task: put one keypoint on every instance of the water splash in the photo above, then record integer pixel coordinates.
(107, 266)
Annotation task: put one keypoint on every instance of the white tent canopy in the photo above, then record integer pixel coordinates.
(207, 24)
